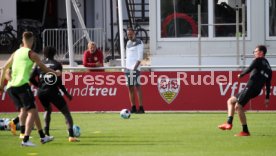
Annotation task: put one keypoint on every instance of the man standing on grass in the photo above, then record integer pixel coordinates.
(134, 56)
(19, 89)
(260, 75)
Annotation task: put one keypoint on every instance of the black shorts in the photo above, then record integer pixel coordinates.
(54, 97)
(246, 94)
(132, 77)
(22, 97)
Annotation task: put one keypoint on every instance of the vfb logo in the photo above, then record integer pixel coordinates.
(168, 88)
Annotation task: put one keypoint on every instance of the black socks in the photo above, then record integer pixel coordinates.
(22, 129)
(230, 119)
(41, 134)
(71, 132)
(245, 128)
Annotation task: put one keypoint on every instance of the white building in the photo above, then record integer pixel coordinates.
(218, 42)
(173, 28)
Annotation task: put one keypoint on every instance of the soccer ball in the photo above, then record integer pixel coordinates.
(7, 124)
(2, 123)
(76, 130)
(125, 114)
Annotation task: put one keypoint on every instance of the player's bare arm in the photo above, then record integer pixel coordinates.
(8, 74)
(4, 69)
(34, 57)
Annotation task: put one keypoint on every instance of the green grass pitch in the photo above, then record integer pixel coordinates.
(151, 134)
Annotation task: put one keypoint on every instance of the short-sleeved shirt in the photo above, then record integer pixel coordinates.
(134, 53)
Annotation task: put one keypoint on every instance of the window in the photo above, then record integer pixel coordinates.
(225, 17)
(272, 18)
(179, 18)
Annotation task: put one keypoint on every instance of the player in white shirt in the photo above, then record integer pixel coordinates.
(134, 56)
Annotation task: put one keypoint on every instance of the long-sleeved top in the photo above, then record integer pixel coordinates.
(90, 59)
(260, 75)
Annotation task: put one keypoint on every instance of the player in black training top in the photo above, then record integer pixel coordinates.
(48, 91)
(260, 75)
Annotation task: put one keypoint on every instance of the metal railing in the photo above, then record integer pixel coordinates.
(211, 67)
(58, 38)
(165, 68)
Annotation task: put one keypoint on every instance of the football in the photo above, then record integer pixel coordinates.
(7, 124)
(2, 123)
(76, 130)
(125, 114)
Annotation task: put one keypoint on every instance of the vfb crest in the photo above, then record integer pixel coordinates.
(168, 88)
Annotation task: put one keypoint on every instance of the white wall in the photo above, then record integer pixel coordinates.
(8, 11)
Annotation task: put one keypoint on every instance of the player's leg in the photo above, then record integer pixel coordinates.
(18, 104)
(15, 120)
(13, 123)
(139, 91)
(28, 101)
(47, 119)
(43, 137)
(132, 99)
(242, 117)
(241, 102)
(32, 118)
(61, 105)
(45, 101)
(231, 111)
(69, 121)
(140, 99)
(22, 121)
(231, 106)
(130, 83)
(241, 113)
(29, 125)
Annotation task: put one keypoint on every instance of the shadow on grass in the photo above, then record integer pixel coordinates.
(263, 135)
(128, 141)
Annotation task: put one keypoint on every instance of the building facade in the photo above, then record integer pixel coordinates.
(174, 31)
(174, 27)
